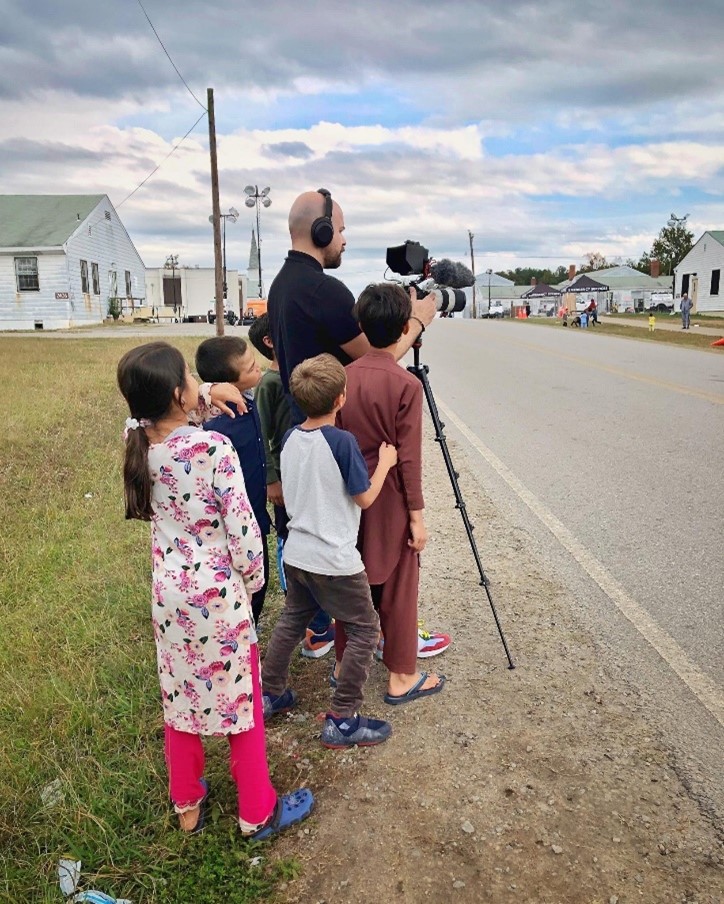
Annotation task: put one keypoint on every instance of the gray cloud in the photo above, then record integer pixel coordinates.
(479, 60)
(284, 149)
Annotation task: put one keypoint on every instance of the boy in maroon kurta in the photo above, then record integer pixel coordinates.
(384, 403)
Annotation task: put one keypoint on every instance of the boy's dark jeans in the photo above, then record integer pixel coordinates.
(346, 599)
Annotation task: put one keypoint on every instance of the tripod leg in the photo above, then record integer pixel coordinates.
(421, 371)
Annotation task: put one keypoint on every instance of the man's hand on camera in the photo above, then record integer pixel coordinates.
(423, 308)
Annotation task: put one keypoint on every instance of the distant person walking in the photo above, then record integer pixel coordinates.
(686, 305)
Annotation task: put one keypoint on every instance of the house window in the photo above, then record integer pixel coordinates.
(129, 289)
(26, 274)
(96, 279)
(84, 277)
(715, 274)
(113, 284)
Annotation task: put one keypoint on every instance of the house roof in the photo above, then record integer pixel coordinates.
(42, 221)
(495, 279)
(718, 234)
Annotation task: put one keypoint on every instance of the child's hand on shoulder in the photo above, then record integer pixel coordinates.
(221, 393)
(388, 455)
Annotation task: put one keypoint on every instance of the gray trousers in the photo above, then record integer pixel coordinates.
(685, 319)
(348, 600)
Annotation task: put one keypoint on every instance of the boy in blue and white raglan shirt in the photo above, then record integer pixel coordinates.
(326, 484)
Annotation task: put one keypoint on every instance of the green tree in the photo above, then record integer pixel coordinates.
(671, 245)
(522, 276)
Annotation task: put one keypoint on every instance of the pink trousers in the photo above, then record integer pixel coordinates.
(248, 764)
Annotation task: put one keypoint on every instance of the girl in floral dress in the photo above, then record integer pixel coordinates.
(207, 561)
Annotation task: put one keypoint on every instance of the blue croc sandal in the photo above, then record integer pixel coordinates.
(289, 810)
(416, 691)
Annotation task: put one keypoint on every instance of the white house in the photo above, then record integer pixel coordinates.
(699, 273)
(62, 259)
(188, 293)
(627, 287)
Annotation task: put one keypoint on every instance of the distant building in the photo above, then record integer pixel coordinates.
(628, 287)
(64, 259)
(188, 293)
(699, 273)
(502, 291)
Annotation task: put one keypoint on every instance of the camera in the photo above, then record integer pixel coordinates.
(444, 279)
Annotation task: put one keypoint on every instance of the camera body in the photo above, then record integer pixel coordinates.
(444, 280)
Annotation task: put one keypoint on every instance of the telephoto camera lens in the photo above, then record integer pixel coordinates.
(449, 300)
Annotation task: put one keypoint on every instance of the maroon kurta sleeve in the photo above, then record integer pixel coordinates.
(409, 445)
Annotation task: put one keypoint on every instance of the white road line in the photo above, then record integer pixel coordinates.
(703, 688)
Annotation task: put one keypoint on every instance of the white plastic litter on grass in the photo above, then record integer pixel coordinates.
(69, 877)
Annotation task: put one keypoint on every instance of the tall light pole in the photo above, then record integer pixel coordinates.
(490, 273)
(253, 198)
(232, 215)
(171, 264)
(472, 267)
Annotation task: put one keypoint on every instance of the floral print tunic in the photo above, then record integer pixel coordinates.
(207, 561)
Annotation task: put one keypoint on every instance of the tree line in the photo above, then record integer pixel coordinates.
(672, 244)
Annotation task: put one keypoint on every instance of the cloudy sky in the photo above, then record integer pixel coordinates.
(549, 129)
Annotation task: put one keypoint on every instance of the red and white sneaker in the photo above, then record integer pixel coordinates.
(431, 643)
(428, 644)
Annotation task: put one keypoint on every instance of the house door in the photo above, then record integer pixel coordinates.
(172, 293)
(694, 291)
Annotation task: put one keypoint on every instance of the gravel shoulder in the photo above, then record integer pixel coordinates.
(542, 784)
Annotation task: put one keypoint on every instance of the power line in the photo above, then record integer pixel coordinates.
(169, 57)
(155, 169)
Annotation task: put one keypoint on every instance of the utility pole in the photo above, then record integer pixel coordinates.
(472, 267)
(218, 268)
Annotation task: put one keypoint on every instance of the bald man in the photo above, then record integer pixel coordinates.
(311, 312)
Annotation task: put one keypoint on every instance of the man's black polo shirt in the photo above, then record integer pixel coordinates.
(309, 313)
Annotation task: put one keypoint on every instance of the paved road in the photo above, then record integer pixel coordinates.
(611, 456)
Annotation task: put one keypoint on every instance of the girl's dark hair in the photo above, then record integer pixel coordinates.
(382, 311)
(148, 377)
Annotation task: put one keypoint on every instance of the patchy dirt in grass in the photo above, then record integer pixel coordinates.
(543, 784)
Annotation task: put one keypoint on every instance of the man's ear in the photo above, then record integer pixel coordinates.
(406, 327)
(267, 341)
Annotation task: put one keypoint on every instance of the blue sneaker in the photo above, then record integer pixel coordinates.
(288, 811)
(275, 706)
(348, 731)
(315, 646)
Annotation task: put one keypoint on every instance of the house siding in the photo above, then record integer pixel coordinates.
(96, 240)
(705, 256)
(22, 310)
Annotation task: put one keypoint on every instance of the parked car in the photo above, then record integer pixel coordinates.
(496, 310)
(229, 316)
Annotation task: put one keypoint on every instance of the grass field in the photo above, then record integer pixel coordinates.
(712, 320)
(80, 701)
(687, 339)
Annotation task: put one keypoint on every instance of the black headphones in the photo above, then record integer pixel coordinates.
(322, 227)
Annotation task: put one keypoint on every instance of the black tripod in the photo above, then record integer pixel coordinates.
(421, 371)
